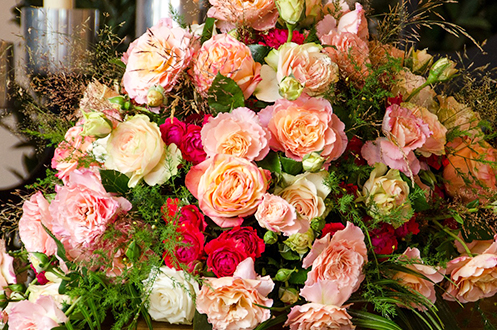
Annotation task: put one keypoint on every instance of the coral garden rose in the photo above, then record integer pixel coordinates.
(171, 296)
(339, 259)
(225, 55)
(40, 315)
(231, 303)
(238, 133)
(312, 316)
(278, 215)
(424, 286)
(135, 148)
(473, 278)
(469, 173)
(158, 58)
(259, 14)
(82, 209)
(35, 215)
(7, 274)
(304, 126)
(227, 188)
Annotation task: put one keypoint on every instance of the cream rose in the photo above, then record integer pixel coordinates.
(135, 148)
(227, 188)
(50, 289)
(171, 297)
(238, 133)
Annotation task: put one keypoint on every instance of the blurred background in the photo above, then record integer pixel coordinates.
(20, 160)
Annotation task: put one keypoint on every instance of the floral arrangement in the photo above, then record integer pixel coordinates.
(282, 165)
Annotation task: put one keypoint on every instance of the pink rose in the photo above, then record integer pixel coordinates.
(317, 316)
(423, 286)
(191, 146)
(238, 133)
(158, 58)
(33, 235)
(7, 274)
(350, 52)
(227, 188)
(82, 209)
(303, 126)
(259, 14)
(278, 215)
(172, 131)
(225, 55)
(470, 173)
(41, 315)
(339, 259)
(354, 22)
(70, 151)
(231, 302)
(473, 278)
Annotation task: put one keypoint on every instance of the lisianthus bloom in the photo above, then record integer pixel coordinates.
(157, 59)
(238, 133)
(225, 55)
(473, 278)
(424, 286)
(227, 188)
(339, 259)
(135, 148)
(171, 296)
(303, 126)
(50, 288)
(470, 173)
(231, 303)
(40, 315)
(190, 251)
(260, 14)
(7, 274)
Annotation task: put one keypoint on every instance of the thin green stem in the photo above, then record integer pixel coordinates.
(73, 306)
(468, 251)
(416, 91)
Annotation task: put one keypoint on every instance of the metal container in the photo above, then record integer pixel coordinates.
(56, 39)
(149, 12)
(6, 72)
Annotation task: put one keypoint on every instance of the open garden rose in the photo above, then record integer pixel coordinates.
(40, 315)
(260, 14)
(136, 149)
(171, 296)
(303, 126)
(231, 302)
(158, 58)
(318, 316)
(35, 215)
(225, 55)
(351, 21)
(238, 133)
(228, 188)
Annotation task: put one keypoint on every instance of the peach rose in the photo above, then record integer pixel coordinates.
(227, 188)
(435, 143)
(473, 278)
(453, 114)
(82, 209)
(41, 315)
(317, 316)
(158, 58)
(303, 126)
(469, 174)
(407, 82)
(238, 133)
(7, 274)
(35, 214)
(70, 151)
(135, 148)
(231, 302)
(278, 215)
(259, 14)
(306, 192)
(338, 260)
(350, 52)
(423, 286)
(225, 55)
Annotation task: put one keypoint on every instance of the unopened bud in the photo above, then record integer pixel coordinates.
(283, 274)
(288, 296)
(155, 96)
(442, 70)
(313, 162)
(270, 237)
(290, 88)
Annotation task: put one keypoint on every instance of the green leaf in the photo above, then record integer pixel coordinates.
(291, 166)
(200, 322)
(259, 52)
(117, 62)
(114, 181)
(225, 95)
(372, 321)
(133, 251)
(208, 28)
(272, 322)
(271, 162)
(299, 276)
(287, 253)
(87, 316)
(61, 251)
(63, 287)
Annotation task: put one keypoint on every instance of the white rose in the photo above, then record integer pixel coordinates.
(171, 297)
(50, 289)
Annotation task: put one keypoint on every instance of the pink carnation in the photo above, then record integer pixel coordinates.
(318, 316)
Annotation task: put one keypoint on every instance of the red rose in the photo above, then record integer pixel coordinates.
(191, 250)
(172, 131)
(224, 255)
(409, 227)
(332, 228)
(384, 239)
(247, 239)
(188, 213)
(191, 146)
